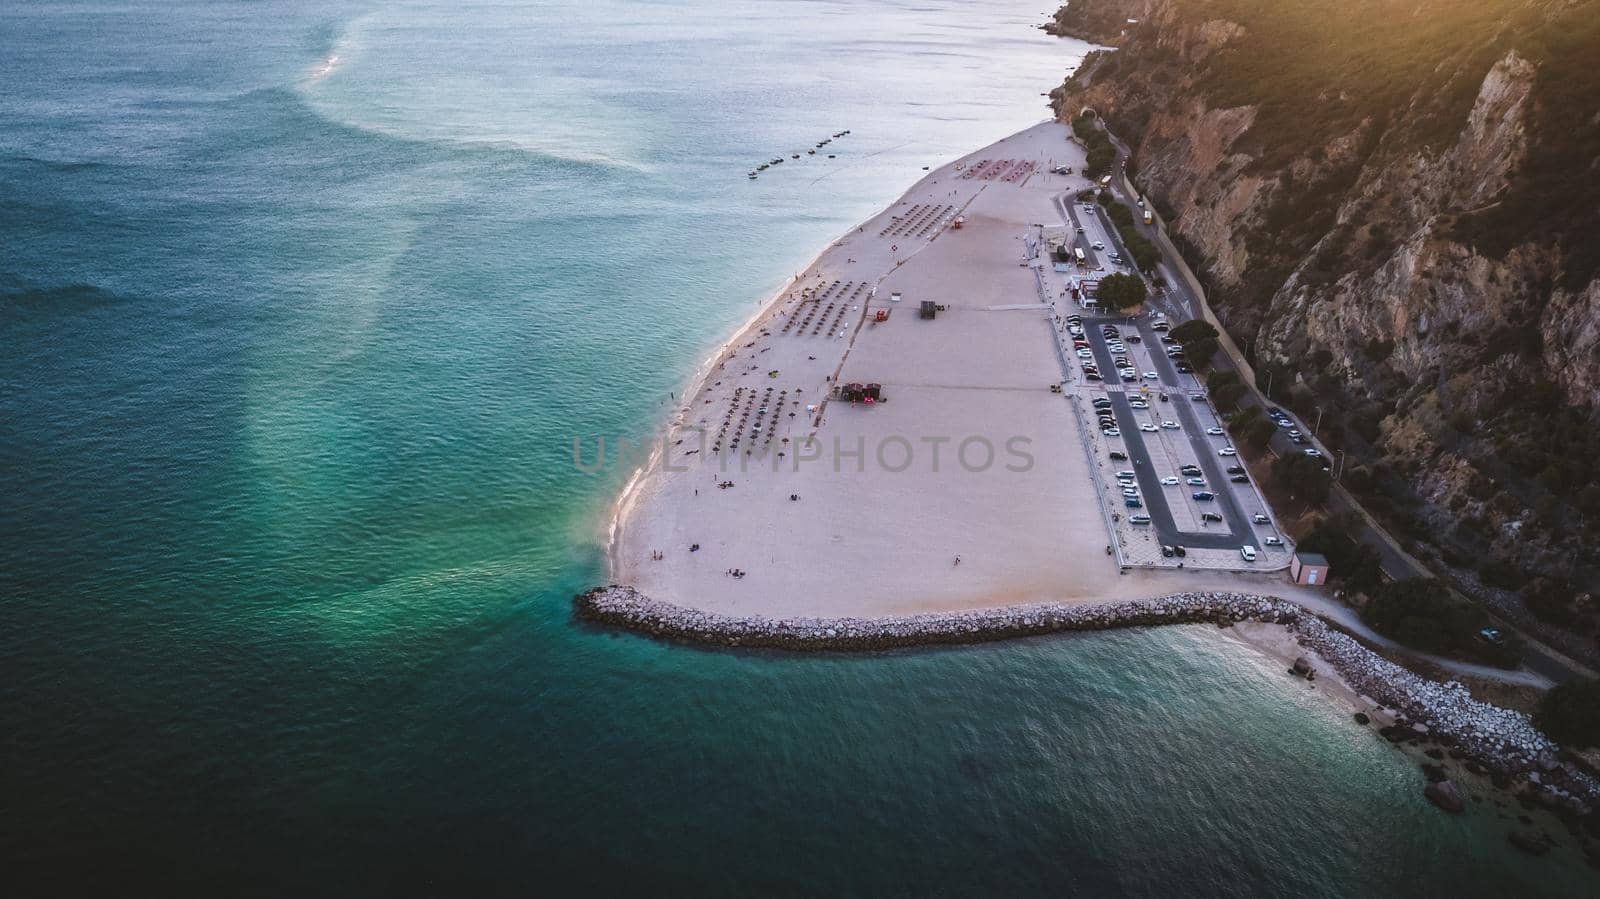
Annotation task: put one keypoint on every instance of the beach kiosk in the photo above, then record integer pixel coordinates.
(928, 309)
(1310, 569)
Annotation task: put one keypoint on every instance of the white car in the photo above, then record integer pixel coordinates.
(1197, 482)
(1227, 451)
(1085, 354)
(1099, 246)
(1112, 432)
(1215, 432)
(1130, 491)
(1169, 481)
(1248, 553)
(1138, 404)
(1313, 452)
(1272, 541)
(1170, 425)
(1151, 376)
(1148, 428)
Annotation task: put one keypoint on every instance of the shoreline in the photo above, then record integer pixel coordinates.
(1503, 742)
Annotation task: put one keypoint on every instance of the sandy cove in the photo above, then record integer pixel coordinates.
(967, 403)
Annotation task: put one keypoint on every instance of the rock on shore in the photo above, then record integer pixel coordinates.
(1501, 740)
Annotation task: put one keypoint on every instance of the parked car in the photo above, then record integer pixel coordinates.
(1227, 451)
(1133, 504)
(1240, 479)
(1113, 432)
(1215, 432)
(1204, 496)
(1235, 469)
(1169, 481)
(1248, 553)
(1210, 516)
(1170, 425)
(1259, 518)
(1139, 519)
(1273, 541)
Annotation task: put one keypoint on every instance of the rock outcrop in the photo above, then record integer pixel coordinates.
(1401, 229)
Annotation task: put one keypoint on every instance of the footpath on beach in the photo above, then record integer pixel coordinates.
(1504, 742)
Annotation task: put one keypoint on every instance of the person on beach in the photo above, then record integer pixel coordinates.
(958, 560)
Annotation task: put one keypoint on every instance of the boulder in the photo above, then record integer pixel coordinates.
(1362, 719)
(1533, 844)
(1302, 667)
(1446, 795)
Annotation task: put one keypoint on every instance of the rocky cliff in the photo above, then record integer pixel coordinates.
(1396, 208)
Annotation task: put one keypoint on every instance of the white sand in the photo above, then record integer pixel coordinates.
(864, 539)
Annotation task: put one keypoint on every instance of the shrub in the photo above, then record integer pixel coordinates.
(1570, 713)
(1422, 613)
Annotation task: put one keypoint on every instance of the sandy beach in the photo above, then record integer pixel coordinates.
(804, 505)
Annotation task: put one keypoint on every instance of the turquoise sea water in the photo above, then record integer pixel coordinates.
(301, 306)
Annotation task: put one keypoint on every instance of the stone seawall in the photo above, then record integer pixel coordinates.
(1501, 740)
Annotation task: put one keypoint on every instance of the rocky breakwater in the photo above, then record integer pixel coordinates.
(1503, 741)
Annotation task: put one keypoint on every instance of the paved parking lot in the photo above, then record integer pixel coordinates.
(1158, 437)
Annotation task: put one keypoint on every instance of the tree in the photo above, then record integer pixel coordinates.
(1201, 351)
(1303, 476)
(1192, 329)
(1260, 432)
(1570, 713)
(1120, 291)
(1227, 396)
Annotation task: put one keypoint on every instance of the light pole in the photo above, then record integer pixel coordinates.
(1318, 426)
(1338, 466)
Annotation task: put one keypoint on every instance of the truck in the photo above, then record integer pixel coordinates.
(1077, 253)
(1148, 218)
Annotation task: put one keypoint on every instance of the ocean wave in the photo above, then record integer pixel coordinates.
(347, 43)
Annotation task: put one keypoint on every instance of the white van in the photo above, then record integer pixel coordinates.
(1248, 553)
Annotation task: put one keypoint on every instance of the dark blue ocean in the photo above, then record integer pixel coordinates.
(301, 306)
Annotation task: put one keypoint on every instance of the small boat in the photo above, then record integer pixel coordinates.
(776, 161)
(752, 176)
(795, 156)
(762, 167)
(831, 156)
(811, 152)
